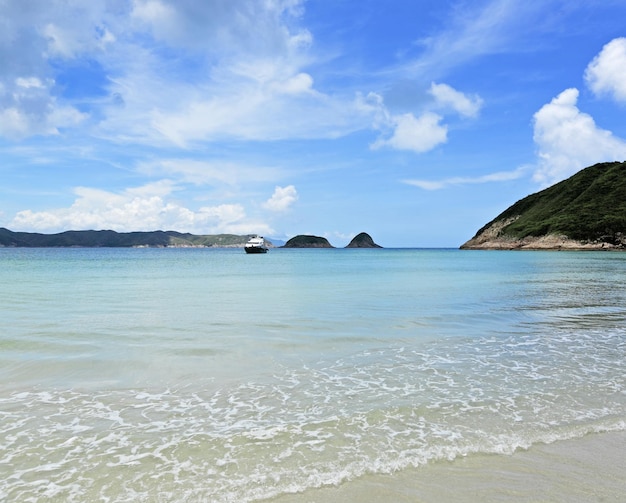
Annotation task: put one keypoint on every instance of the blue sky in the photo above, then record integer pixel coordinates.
(416, 121)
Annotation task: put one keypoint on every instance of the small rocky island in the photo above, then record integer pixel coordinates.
(307, 241)
(585, 212)
(362, 240)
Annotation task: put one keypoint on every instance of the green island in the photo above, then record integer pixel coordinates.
(308, 241)
(584, 212)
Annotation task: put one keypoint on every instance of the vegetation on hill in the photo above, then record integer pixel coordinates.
(306, 241)
(362, 240)
(118, 239)
(589, 207)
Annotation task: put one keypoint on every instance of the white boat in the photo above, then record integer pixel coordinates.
(256, 244)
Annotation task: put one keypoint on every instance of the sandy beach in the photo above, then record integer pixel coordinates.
(588, 469)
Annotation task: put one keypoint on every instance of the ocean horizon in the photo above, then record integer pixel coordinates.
(203, 374)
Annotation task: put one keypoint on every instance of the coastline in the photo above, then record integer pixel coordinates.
(584, 469)
(549, 242)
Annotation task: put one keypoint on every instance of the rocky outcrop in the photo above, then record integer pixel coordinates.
(548, 242)
(306, 241)
(362, 240)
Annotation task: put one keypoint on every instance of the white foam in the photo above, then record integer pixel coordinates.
(375, 411)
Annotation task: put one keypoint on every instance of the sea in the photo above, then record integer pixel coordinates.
(311, 375)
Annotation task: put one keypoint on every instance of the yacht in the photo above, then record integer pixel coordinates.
(256, 244)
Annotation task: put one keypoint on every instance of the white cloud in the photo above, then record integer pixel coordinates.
(189, 72)
(238, 70)
(424, 131)
(500, 176)
(242, 28)
(27, 109)
(144, 208)
(569, 140)
(606, 74)
(200, 172)
(448, 97)
(419, 134)
(298, 84)
(282, 198)
(29, 82)
(29, 37)
(475, 29)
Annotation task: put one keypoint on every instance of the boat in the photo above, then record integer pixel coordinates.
(256, 244)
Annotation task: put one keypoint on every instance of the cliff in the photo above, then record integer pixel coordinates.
(586, 211)
(362, 240)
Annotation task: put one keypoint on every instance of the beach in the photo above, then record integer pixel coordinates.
(190, 375)
(588, 469)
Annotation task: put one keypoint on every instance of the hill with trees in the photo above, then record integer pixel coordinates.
(362, 240)
(586, 211)
(107, 238)
(307, 241)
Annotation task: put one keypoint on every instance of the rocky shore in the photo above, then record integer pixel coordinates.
(492, 239)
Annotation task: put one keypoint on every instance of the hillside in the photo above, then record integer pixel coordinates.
(118, 239)
(586, 211)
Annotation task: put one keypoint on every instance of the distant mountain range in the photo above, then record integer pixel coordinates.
(586, 211)
(119, 239)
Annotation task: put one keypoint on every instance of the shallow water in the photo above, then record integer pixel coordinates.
(211, 375)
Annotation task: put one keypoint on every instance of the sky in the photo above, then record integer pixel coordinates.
(416, 121)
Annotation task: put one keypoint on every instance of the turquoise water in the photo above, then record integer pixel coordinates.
(212, 375)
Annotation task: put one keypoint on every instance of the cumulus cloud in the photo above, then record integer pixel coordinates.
(569, 140)
(282, 198)
(606, 74)
(419, 134)
(145, 208)
(422, 131)
(448, 97)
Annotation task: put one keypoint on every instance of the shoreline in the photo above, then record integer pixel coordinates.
(586, 469)
(492, 239)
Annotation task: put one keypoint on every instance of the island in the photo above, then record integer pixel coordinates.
(362, 240)
(307, 241)
(584, 212)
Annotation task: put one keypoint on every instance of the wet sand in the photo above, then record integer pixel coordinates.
(589, 469)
